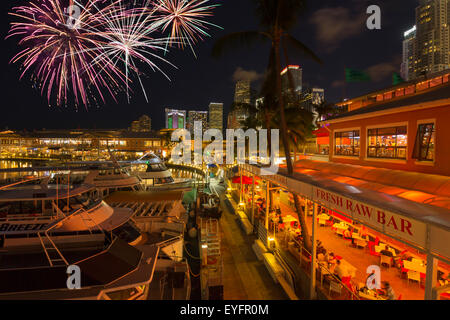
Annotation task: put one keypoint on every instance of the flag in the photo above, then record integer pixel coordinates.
(352, 75)
(397, 79)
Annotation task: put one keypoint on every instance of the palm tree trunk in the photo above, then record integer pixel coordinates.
(269, 133)
(284, 137)
(301, 218)
(300, 213)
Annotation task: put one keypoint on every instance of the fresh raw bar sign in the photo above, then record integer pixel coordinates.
(378, 219)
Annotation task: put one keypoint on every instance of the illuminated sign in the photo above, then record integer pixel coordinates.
(379, 219)
(407, 33)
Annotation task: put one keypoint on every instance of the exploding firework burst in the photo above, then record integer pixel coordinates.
(57, 52)
(185, 20)
(78, 49)
(127, 41)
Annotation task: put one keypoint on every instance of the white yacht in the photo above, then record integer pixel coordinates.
(155, 174)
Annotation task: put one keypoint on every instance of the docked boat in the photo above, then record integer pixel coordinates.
(155, 175)
(45, 228)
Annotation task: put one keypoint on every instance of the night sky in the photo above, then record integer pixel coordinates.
(335, 30)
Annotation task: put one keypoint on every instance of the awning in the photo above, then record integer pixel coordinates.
(322, 132)
(245, 180)
(415, 217)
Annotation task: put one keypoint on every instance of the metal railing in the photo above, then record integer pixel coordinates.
(319, 266)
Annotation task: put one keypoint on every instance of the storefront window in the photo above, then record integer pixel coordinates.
(388, 143)
(424, 145)
(347, 143)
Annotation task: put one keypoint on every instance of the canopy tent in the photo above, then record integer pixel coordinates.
(245, 180)
(322, 132)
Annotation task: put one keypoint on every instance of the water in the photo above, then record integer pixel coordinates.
(7, 164)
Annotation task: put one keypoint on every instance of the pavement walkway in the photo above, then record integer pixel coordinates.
(244, 276)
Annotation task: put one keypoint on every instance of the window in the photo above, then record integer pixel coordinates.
(424, 145)
(387, 143)
(346, 143)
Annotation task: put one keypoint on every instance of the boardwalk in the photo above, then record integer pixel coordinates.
(244, 277)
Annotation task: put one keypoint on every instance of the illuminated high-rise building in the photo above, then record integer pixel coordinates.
(242, 92)
(409, 43)
(296, 73)
(432, 44)
(175, 119)
(144, 124)
(216, 116)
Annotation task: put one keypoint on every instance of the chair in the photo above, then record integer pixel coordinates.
(335, 287)
(385, 260)
(322, 222)
(361, 243)
(372, 250)
(413, 275)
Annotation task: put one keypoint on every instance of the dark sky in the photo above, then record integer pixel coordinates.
(335, 30)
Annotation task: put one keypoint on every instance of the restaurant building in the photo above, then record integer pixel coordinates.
(78, 144)
(382, 199)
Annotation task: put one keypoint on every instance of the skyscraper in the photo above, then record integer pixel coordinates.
(194, 116)
(312, 97)
(242, 96)
(407, 68)
(432, 46)
(318, 96)
(216, 116)
(297, 78)
(144, 124)
(175, 119)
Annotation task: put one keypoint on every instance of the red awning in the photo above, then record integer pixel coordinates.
(322, 132)
(245, 180)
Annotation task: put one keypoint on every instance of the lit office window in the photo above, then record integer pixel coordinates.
(347, 143)
(424, 145)
(387, 143)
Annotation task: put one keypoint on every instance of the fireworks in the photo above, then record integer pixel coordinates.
(76, 50)
(185, 20)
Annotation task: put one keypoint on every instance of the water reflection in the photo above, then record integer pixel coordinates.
(6, 164)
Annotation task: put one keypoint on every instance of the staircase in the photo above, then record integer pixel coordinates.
(54, 256)
(211, 273)
(210, 235)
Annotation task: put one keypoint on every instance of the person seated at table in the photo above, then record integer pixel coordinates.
(331, 259)
(348, 234)
(362, 232)
(388, 291)
(339, 271)
(321, 256)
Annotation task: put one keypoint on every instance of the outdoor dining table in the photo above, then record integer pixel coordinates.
(340, 226)
(370, 295)
(414, 266)
(323, 216)
(351, 270)
(289, 219)
(358, 237)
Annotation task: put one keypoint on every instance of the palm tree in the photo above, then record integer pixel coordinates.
(277, 18)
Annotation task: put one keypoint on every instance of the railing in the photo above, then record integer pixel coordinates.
(304, 265)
